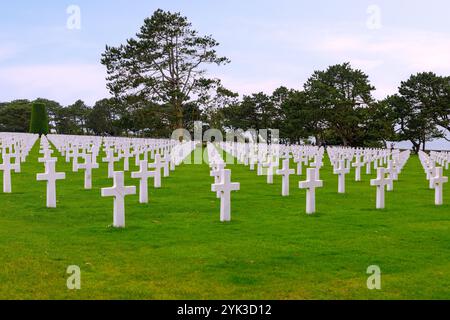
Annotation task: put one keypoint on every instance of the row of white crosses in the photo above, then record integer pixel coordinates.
(14, 148)
(222, 185)
(119, 190)
(269, 156)
(50, 175)
(435, 174)
(115, 149)
(342, 160)
(172, 152)
(382, 181)
(442, 158)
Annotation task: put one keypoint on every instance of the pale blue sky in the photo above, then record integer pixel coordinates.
(270, 43)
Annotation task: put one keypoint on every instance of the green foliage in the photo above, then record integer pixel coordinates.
(335, 107)
(101, 118)
(341, 93)
(39, 119)
(420, 107)
(152, 120)
(15, 116)
(300, 119)
(165, 64)
(254, 112)
(53, 109)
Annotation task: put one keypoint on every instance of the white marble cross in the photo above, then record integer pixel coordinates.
(431, 172)
(166, 164)
(270, 165)
(300, 161)
(380, 182)
(88, 165)
(110, 159)
(16, 156)
(51, 176)
(137, 155)
(358, 164)
(285, 171)
(217, 171)
(75, 156)
(251, 162)
(392, 172)
(310, 185)
(172, 161)
(47, 156)
(224, 188)
(259, 169)
(438, 181)
(368, 165)
(7, 167)
(119, 191)
(143, 174)
(157, 165)
(341, 171)
(126, 155)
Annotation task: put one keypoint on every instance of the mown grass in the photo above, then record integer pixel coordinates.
(176, 248)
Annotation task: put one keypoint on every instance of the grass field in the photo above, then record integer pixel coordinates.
(176, 248)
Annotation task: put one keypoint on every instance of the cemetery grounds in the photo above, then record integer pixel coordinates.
(175, 247)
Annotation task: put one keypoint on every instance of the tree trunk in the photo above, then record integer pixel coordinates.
(416, 146)
(318, 141)
(178, 115)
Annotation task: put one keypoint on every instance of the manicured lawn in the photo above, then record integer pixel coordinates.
(176, 248)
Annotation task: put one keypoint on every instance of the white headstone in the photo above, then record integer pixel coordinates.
(157, 165)
(380, 182)
(7, 167)
(310, 185)
(341, 171)
(285, 172)
(110, 159)
(119, 191)
(224, 188)
(143, 174)
(51, 176)
(88, 165)
(358, 164)
(438, 182)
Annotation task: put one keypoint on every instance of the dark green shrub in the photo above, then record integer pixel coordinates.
(39, 119)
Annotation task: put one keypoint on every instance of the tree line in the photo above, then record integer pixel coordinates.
(158, 82)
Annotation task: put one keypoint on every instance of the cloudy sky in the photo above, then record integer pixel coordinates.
(270, 43)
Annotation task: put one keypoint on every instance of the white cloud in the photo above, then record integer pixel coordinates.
(7, 51)
(413, 49)
(64, 83)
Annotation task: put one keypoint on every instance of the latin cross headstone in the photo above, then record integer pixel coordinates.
(51, 176)
(224, 188)
(438, 182)
(88, 165)
(7, 167)
(358, 164)
(310, 185)
(157, 165)
(110, 159)
(143, 174)
(380, 182)
(285, 172)
(118, 191)
(341, 171)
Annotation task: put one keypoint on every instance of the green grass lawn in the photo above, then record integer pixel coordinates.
(176, 248)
